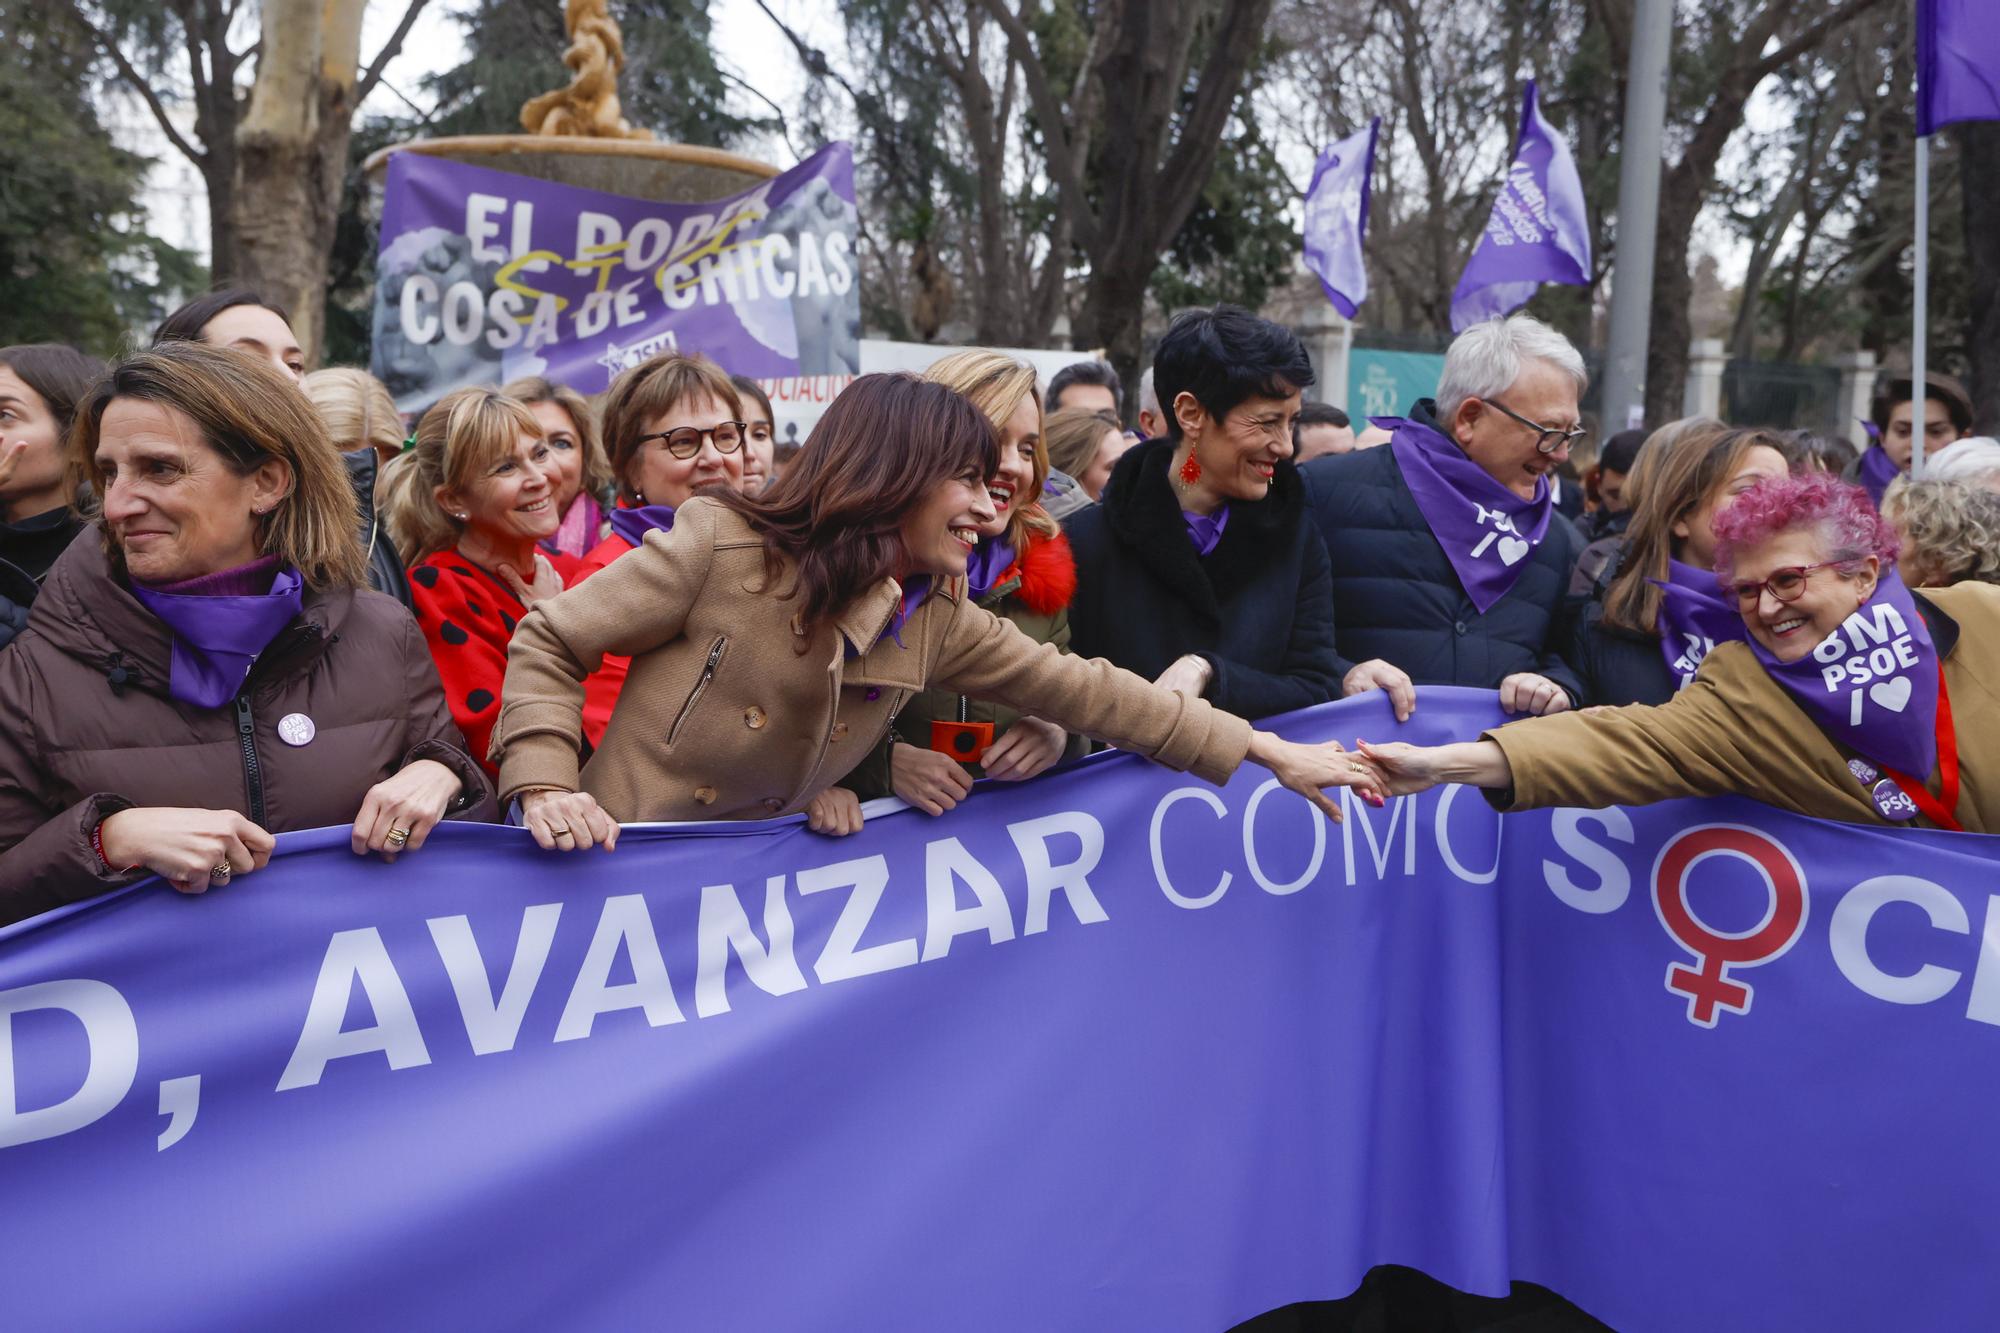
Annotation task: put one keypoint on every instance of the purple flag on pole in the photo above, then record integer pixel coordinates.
(1337, 218)
(1538, 231)
(1958, 63)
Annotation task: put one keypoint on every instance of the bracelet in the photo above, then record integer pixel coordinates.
(97, 845)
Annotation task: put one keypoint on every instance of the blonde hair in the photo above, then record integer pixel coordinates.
(1950, 529)
(1679, 466)
(357, 410)
(1073, 436)
(461, 438)
(598, 480)
(995, 384)
(650, 388)
(249, 414)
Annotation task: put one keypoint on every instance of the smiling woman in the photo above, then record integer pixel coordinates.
(1847, 697)
(206, 673)
(469, 505)
(774, 639)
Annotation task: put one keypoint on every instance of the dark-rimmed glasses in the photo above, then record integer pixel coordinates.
(684, 442)
(1785, 584)
(1547, 438)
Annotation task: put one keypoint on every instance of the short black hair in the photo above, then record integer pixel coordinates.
(753, 392)
(1621, 451)
(1323, 414)
(1085, 372)
(1829, 453)
(1223, 356)
(1896, 389)
(186, 323)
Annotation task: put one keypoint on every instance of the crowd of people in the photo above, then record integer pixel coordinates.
(237, 599)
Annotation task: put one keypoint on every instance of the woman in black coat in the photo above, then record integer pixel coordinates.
(1200, 568)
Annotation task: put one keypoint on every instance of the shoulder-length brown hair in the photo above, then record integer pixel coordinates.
(649, 389)
(996, 383)
(1679, 467)
(248, 414)
(836, 516)
(463, 436)
(597, 479)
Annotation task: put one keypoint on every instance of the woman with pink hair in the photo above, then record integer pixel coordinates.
(1851, 698)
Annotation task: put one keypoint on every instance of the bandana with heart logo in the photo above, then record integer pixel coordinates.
(1694, 617)
(1872, 684)
(1487, 531)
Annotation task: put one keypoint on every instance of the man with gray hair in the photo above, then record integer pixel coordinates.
(1449, 562)
(1152, 421)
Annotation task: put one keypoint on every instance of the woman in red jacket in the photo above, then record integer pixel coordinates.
(469, 505)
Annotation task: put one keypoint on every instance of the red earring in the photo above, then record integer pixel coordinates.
(1190, 470)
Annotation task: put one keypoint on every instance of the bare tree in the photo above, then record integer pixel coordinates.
(1979, 145)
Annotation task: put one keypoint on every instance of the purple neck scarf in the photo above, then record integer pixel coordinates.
(1205, 530)
(1877, 470)
(989, 560)
(634, 524)
(1872, 684)
(1485, 529)
(220, 625)
(579, 529)
(1694, 617)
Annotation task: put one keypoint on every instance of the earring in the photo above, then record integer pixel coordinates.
(640, 496)
(1190, 471)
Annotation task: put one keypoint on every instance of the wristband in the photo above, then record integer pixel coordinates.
(97, 845)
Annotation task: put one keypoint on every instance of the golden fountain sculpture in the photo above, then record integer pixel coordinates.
(588, 108)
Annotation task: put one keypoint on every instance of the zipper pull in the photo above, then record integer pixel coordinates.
(245, 724)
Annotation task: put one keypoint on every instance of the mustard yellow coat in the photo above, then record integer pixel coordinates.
(1734, 730)
(733, 712)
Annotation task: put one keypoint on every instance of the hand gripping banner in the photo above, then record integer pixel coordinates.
(1112, 1049)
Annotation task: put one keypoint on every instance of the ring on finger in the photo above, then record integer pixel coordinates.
(397, 837)
(221, 872)
(562, 832)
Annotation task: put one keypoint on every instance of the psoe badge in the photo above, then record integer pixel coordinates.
(296, 729)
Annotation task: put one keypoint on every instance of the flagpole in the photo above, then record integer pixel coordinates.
(1919, 397)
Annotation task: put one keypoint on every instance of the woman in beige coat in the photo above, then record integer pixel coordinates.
(774, 638)
(1851, 698)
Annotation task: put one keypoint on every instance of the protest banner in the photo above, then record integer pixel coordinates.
(1112, 1049)
(484, 276)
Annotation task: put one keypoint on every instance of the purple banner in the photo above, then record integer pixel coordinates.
(1337, 218)
(1112, 1049)
(1958, 63)
(1539, 230)
(484, 276)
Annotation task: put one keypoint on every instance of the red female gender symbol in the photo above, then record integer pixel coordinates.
(1709, 986)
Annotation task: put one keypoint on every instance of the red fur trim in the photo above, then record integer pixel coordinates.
(1048, 575)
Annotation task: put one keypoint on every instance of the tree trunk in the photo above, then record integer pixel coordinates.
(1673, 291)
(1979, 176)
(292, 155)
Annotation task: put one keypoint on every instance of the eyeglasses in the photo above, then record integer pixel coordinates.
(684, 442)
(1547, 439)
(1784, 584)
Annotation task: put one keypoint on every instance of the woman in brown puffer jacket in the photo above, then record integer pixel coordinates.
(201, 670)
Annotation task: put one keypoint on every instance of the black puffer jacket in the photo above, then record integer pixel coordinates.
(27, 550)
(385, 567)
(1397, 597)
(1258, 608)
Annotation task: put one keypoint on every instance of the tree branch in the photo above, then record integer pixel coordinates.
(388, 52)
(140, 84)
(1064, 167)
(1810, 37)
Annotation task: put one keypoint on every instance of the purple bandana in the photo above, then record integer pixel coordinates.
(915, 589)
(218, 634)
(1485, 529)
(1694, 617)
(989, 560)
(1205, 530)
(1872, 684)
(1876, 472)
(634, 524)
(580, 525)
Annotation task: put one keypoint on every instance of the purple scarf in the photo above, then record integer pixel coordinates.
(1877, 470)
(634, 524)
(1872, 684)
(1695, 615)
(989, 560)
(915, 589)
(580, 525)
(1485, 529)
(220, 623)
(1205, 530)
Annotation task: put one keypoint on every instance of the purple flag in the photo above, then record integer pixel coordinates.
(1958, 63)
(1337, 218)
(1538, 232)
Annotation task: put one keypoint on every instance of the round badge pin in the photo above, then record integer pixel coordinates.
(296, 729)
(1864, 772)
(1893, 801)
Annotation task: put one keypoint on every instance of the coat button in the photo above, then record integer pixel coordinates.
(706, 795)
(873, 694)
(773, 804)
(753, 717)
(839, 731)
(1459, 626)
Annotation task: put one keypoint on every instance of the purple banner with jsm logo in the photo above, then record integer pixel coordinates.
(485, 276)
(1111, 1049)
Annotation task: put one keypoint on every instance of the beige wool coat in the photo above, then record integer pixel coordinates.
(732, 711)
(1735, 731)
